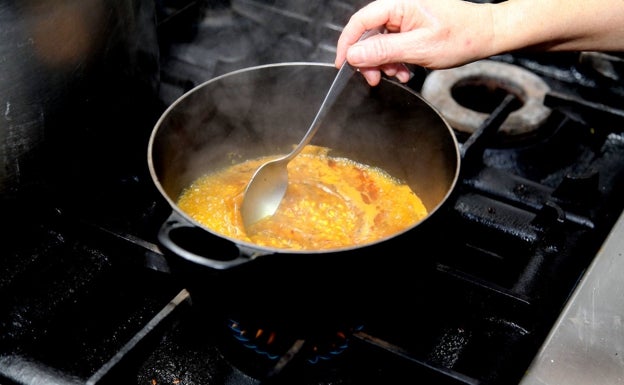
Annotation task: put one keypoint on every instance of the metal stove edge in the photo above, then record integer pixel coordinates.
(586, 344)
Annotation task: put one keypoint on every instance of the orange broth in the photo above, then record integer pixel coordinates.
(330, 203)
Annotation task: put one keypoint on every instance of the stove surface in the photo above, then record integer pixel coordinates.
(479, 294)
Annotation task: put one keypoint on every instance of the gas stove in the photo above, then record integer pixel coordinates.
(513, 281)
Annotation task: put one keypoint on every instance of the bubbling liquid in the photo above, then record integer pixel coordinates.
(330, 202)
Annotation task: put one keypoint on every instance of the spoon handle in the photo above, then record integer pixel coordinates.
(340, 81)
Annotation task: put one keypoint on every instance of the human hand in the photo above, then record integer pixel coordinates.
(431, 33)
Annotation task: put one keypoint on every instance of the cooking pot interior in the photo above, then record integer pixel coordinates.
(266, 110)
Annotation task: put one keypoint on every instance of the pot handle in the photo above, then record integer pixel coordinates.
(179, 235)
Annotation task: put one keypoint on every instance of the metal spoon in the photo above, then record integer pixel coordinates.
(267, 186)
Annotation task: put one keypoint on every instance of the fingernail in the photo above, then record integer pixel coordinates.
(356, 54)
(404, 77)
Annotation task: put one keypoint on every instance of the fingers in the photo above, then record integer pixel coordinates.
(398, 71)
(370, 16)
(372, 75)
(376, 54)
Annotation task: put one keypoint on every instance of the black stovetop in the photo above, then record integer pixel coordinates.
(87, 296)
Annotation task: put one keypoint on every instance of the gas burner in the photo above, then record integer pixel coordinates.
(274, 344)
(468, 94)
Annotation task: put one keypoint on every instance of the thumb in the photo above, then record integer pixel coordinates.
(372, 52)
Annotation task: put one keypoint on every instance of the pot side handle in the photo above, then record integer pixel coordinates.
(186, 240)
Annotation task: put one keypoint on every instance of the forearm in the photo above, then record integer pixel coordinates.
(558, 25)
(440, 34)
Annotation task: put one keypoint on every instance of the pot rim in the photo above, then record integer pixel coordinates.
(253, 250)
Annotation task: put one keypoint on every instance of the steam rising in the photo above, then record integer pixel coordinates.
(266, 110)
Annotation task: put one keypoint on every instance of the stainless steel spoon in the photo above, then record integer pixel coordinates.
(267, 186)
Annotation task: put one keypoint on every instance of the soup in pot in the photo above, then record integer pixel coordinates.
(330, 202)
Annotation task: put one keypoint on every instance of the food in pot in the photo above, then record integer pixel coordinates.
(331, 202)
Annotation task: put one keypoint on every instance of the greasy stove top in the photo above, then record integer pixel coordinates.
(87, 296)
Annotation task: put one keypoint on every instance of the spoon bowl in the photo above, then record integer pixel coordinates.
(268, 185)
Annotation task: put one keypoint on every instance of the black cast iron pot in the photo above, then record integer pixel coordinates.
(265, 110)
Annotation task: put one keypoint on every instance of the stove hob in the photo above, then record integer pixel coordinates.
(89, 298)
